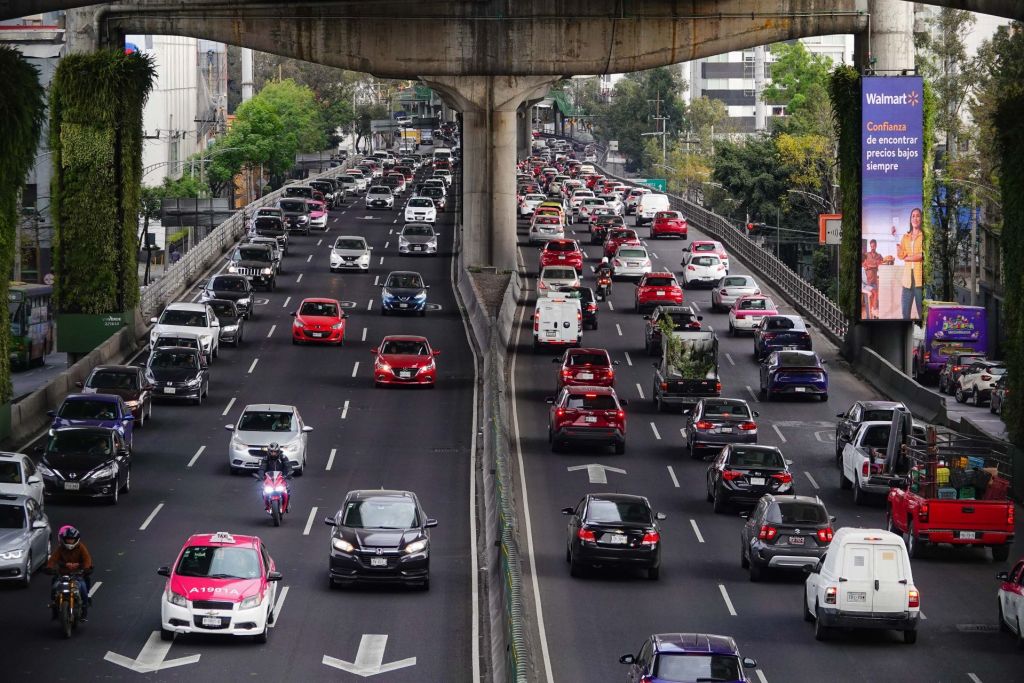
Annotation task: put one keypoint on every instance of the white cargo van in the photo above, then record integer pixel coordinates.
(557, 321)
(864, 581)
(442, 154)
(649, 205)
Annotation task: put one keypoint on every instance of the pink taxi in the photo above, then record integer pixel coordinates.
(317, 214)
(749, 311)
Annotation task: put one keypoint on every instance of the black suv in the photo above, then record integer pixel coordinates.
(296, 214)
(256, 262)
(271, 226)
(784, 532)
(232, 287)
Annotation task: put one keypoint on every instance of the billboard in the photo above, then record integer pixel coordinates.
(892, 171)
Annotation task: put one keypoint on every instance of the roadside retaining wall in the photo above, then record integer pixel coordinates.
(892, 382)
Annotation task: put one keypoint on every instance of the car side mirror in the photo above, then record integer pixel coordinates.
(550, 400)
(627, 659)
(437, 352)
(749, 663)
(745, 514)
(568, 511)
(51, 413)
(646, 317)
(686, 411)
(274, 576)
(756, 414)
(556, 360)
(832, 519)
(840, 415)
(79, 384)
(374, 350)
(35, 479)
(616, 362)
(164, 571)
(430, 524)
(789, 462)
(1003, 576)
(306, 428)
(700, 317)
(152, 320)
(230, 428)
(128, 418)
(661, 516)
(329, 521)
(293, 313)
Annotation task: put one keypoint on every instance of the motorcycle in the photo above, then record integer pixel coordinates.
(604, 284)
(68, 602)
(275, 495)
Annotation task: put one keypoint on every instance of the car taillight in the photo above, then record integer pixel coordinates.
(767, 533)
(986, 378)
(913, 598)
(620, 414)
(591, 307)
(783, 477)
(927, 356)
(559, 412)
(865, 469)
(768, 336)
(1009, 514)
(536, 322)
(579, 316)
(830, 595)
(647, 679)
(718, 386)
(825, 535)
(748, 426)
(690, 268)
(729, 475)
(586, 535)
(663, 386)
(651, 538)
(704, 424)
(956, 368)
(566, 373)
(616, 262)
(922, 512)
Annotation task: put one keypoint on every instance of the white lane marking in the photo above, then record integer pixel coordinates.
(330, 459)
(299, 278)
(387, 244)
(344, 410)
(319, 242)
(271, 332)
(253, 366)
(618, 329)
(654, 428)
(640, 391)
(364, 334)
(355, 369)
(779, 432)
(752, 394)
(227, 409)
(728, 602)
(309, 521)
(695, 306)
(654, 255)
(151, 516)
(391, 231)
(760, 676)
(309, 258)
(811, 479)
(974, 678)
(696, 531)
(728, 357)
(629, 361)
(286, 302)
(381, 261)
(922, 615)
(610, 306)
(279, 605)
(196, 456)
(376, 281)
(95, 587)
(369, 305)
(672, 473)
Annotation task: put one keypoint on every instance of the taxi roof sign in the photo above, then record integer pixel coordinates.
(222, 537)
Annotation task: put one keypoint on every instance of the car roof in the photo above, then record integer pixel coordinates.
(186, 306)
(675, 309)
(106, 398)
(85, 428)
(116, 368)
(404, 337)
(880, 405)
(785, 499)
(583, 350)
(579, 389)
(694, 643)
(318, 300)
(189, 349)
(11, 455)
(223, 302)
(405, 272)
(756, 447)
(223, 538)
(619, 497)
(660, 274)
(234, 276)
(269, 407)
(366, 494)
(724, 401)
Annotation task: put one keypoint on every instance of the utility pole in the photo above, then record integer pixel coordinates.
(760, 115)
(973, 250)
(247, 82)
(663, 131)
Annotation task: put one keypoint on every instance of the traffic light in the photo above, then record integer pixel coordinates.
(755, 228)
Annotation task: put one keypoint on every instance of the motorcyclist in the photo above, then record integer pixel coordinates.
(274, 461)
(604, 277)
(71, 555)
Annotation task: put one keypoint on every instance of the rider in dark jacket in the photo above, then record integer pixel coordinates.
(274, 461)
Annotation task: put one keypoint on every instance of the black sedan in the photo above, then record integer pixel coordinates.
(715, 422)
(178, 372)
(861, 411)
(380, 536)
(88, 462)
(232, 322)
(784, 532)
(613, 530)
(234, 287)
(744, 473)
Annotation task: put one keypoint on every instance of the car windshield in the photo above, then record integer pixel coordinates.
(83, 442)
(705, 247)
(559, 274)
(704, 261)
(268, 212)
(591, 402)
(322, 308)
(180, 318)
(682, 668)
(10, 473)
(726, 410)
(12, 517)
(265, 421)
(268, 223)
(417, 230)
(179, 360)
(380, 513)
(798, 513)
(660, 281)
(588, 359)
(798, 360)
(111, 379)
(228, 284)
(433, 192)
(84, 409)
(601, 511)
(534, 197)
(292, 205)
(405, 281)
(421, 202)
(225, 310)
(404, 347)
(355, 244)
(380, 190)
(560, 246)
(747, 457)
(252, 254)
(783, 324)
(754, 305)
(736, 282)
(218, 562)
(632, 253)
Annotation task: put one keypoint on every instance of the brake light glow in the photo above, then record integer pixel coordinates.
(586, 535)
(783, 477)
(567, 373)
(830, 595)
(730, 475)
(559, 412)
(718, 385)
(1009, 514)
(913, 598)
(865, 469)
(651, 538)
(690, 268)
(922, 512)
(663, 386)
(704, 424)
(590, 395)
(620, 414)
(767, 533)
(748, 426)
(825, 535)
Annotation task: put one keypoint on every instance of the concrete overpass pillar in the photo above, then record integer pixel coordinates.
(489, 135)
(524, 129)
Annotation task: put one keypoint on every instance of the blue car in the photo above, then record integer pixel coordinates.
(404, 291)
(95, 410)
(687, 658)
(793, 373)
(780, 333)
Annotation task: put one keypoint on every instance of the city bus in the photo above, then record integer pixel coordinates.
(32, 329)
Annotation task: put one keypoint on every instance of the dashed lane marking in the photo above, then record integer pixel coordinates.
(696, 532)
(611, 306)
(227, 408)
(279, 605)
(344, 410)
(629, 361)
(728, 357)
(387, 244)
(811, 479)
(95, 587)
(152, 514)
(779, 432)
(640, 390)
(196, 456)
(760, 676)
(618, 328)
(319, 242)
(728, 602)
(270, 333)
(364, 334)
(752, 394)
(654, 428)
(299, 279)
(381, 261)
(355, 369)
(309, 521)
(286, 302)
(309, 258)
(376, 281)
(369, 305)
(253, 366)
(974, 678)
(330, 459)
(672, 473)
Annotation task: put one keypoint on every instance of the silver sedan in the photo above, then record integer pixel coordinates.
(731, 288)
(261, 425)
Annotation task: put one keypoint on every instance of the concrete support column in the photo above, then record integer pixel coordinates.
(524, 129)
(489, 107)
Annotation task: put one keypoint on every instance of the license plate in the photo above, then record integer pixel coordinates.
(403, 305)
(614, 539)
(316, 334)
(856, 596)
(800, 389)
(211, 621)
(417, 248)
(590, 419)
(796, 540)
(169, 390)
(378, 561)
(726, 430)
(968, 535)
(405, 373)
(550, 333)
(757, 481)
(71, 486)
(561, 258)
(585, 375)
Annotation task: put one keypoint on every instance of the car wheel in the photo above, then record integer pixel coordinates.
(141, 422)
(915, 547)
(755, 572)
(910, 636)
(839, 453)
(844, 483)
(858, 494)
(975, 398)
(653, 573)
(265, 635)
(26, 579)
(114, 497)
(960, 396)
(127, 482)
(992, 406)
(806, 613)
(821, 633)
(199, 398)
(166, 635)
(575, 568)
(744, 562)
(719, 502)
(149, 411)
(1000, 553)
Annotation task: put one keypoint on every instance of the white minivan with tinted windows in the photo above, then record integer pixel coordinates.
(863, 582)
(649, 205)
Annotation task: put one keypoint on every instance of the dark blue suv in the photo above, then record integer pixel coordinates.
(687, 658)
(793, 373)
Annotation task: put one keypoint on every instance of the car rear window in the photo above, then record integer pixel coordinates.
(660, 281)
(292, 205)
(743, 457)
(680, 668)
(735, 282)
(876, 436)
(225, 310)
(705, 247)
(667, 215)
(798, 360)
(784, 324)
(615, 511)
(797, 513)
(181, 318)
(559, 273)
(754, 305)
(588, 359)
(112, 379)
(680, 320)
(561, 246)
(726, 410)
(632, 253)
(704, 260)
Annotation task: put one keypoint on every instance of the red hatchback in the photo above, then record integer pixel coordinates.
(655, 289)
(561, 253)
(616, 238)
(404, 360)
(585, 367)
(319, 321)
(591, 415)
(668, 224)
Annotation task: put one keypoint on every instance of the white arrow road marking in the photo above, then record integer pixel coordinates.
(369, 658)
(152, 657)
(598, 474)
(280, 603)
(309, 521)
(696, 531)
(227, 409)
(728, 602)
(151, 516)
(330, 459)
(196, 456)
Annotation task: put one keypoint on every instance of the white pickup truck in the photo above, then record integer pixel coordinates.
(864, 460)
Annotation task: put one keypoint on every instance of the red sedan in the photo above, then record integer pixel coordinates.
(668, 224)
(618, 237)
(561, 253)
(319, 320)
(404, 360)
(585, 367)
(657, 288)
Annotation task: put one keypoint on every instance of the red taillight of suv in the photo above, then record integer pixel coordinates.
(825, 535)
(559, 412)
(830, 595)
(767, 533)
(586, 535)
(748, 426)
(651, 538)
(922, 512)
(913, 598)
(730, 475)
(865, 469)
(620, 415)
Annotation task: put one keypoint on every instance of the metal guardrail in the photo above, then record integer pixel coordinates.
(197, 260)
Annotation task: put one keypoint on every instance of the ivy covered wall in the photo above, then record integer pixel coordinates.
(844, 89)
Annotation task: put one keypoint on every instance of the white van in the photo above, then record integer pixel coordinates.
(557, 321)
(649, 205)
(864, 581)
(442, 154)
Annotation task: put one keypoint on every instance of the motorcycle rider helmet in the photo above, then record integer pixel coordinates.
(273, 450)
(69, 536)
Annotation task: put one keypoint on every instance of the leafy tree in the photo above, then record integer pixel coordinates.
(799, 80)
(333, 88)
(752, 172)
(637, 99)
(705, 115)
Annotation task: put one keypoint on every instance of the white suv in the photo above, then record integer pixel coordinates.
(182, 316)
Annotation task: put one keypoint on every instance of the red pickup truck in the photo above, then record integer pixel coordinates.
(956, 494)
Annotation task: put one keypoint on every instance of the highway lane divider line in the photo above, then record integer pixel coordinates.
(309, 521)
(319, 242)
(752, 394)
(629, 361)
(253, 366)
(696, 532)
(381, 261)
(376, 280)
(196, 456)
(696, 306)
(355, 369)
(640, 390)
(654, 428)
(230, 405)
(369, 306)
(974, 678)
(387, 244)
(344, 410)
(728, 357)
(279, 604)
(618, 329)
(271, 332)
(95, 587)
(330, 459)
(672, 473)
(728, 602)
(611, 307)
(811, 479)
(760, 676)
(309, 258)
(364, 335)
(299, 278)
(286, 302)
(654, 255)
(779, 432)
(157, 509)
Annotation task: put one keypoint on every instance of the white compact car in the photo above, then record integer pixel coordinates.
(586, 206)
(731, 288)
(420, 210)
(546, 228)
(702, 270)
(350, 252)
(553, 277)
(261, 425)
(380, 197)
(631, 261)
(530, 203)
(183, 316)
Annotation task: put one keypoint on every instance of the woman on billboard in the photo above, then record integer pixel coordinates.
(911, 251)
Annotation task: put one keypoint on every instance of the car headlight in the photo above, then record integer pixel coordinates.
(232, 269)
(44, 470)
(267, 271)
(383, 367)
(292, 446)
(341, 545)
(426, 368)
(298, 323)
(303, 219)
(206, 340)
(195, 382)
(132, 405)
(227, 328)
(176, 598)
(422, 296)
(364, 257)
(103, 473)
(337, 326)
(387, 294)
(416, 547)
(250, 602)
(12, 554)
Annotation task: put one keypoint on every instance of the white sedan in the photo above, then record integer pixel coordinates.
(530, 203)
(732, 288)
(420, 210)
